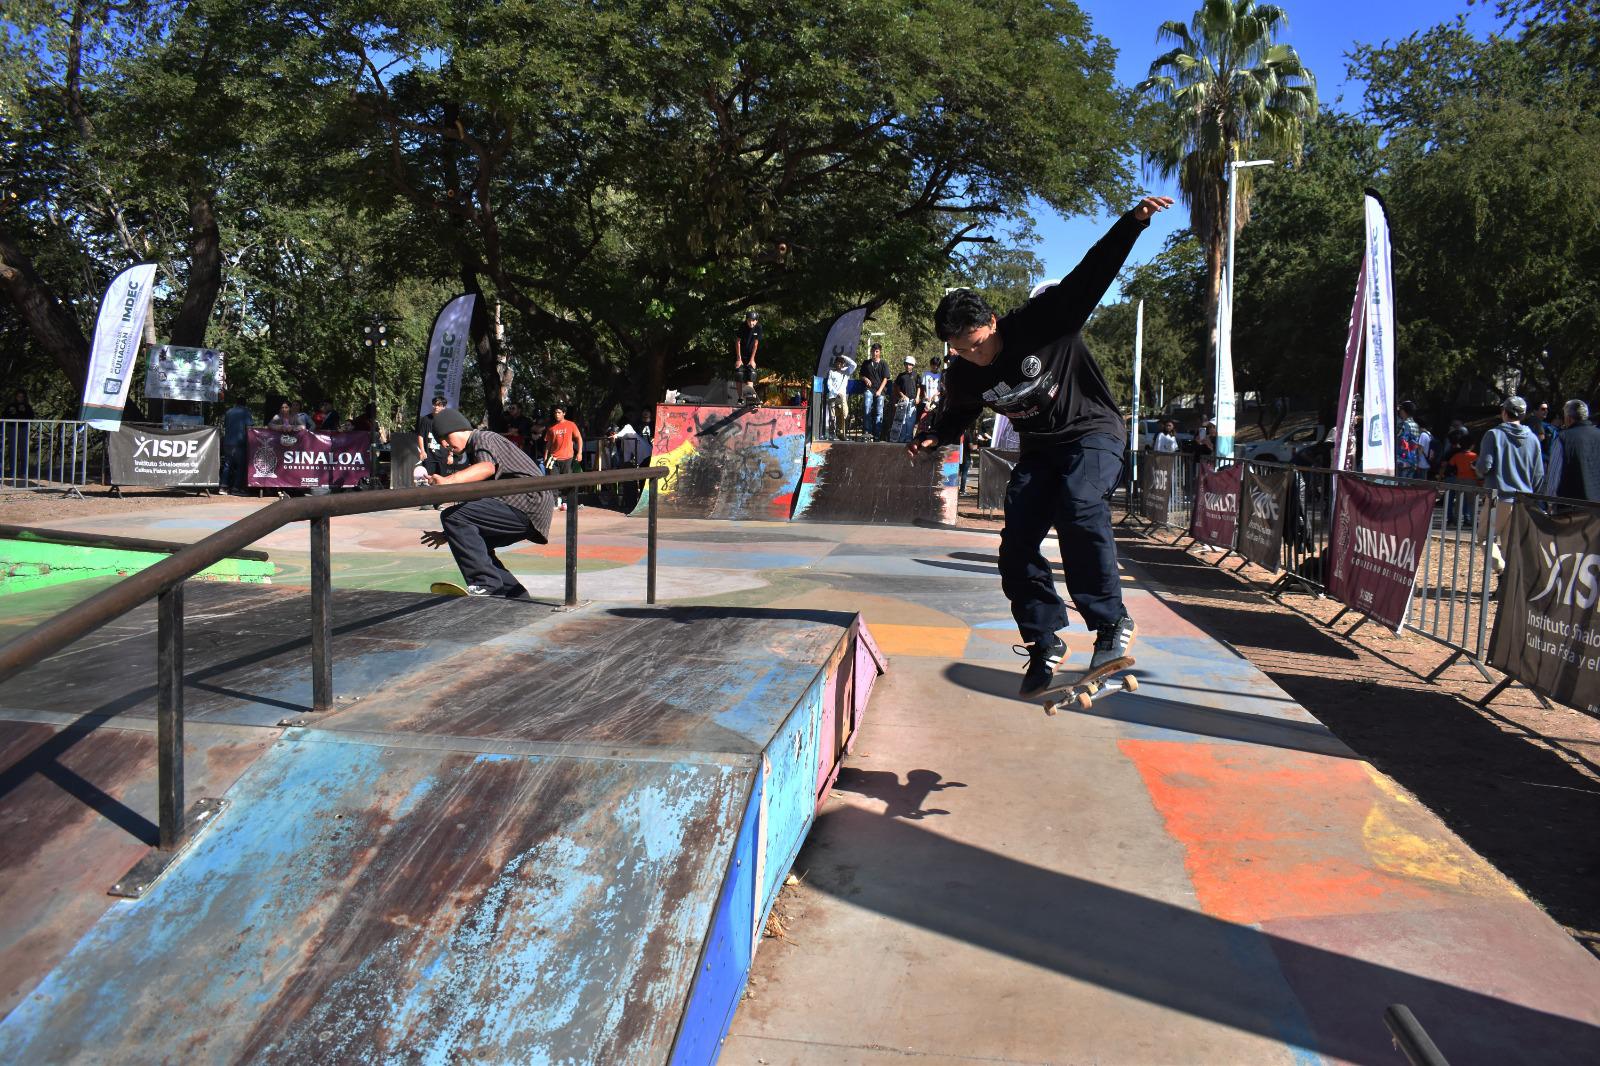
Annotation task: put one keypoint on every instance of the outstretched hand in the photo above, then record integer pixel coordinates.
(1150, 205)
(922, 445)
(434, 538)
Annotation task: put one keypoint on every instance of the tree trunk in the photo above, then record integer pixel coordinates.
(54, 328)
(205, 274)
(1214, 251)
(486, 349)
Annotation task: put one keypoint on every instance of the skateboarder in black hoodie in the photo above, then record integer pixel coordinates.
(1032, 366)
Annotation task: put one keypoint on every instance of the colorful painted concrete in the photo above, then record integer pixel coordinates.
(855, 481)
(1195, 873)
(727, 462)
(26, 565)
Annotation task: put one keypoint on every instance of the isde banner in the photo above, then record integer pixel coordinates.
(1159, 487)
(1264, 499)
(1547, 628)
(144, 455)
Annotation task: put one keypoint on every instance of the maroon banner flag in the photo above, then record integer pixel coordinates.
(281, 459)
(1378, 535)
(1216, 504)
(1547, 630)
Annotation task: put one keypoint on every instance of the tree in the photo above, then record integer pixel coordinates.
(1225, 88)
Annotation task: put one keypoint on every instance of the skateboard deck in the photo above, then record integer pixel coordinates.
(1089, 686)
(446, 588)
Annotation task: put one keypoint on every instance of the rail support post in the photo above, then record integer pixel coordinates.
(650, 551)
(321, 617)
(169, 715)
(572, 549)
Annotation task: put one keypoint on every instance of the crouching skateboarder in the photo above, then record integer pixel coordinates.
(1032, 366)
(474, 529)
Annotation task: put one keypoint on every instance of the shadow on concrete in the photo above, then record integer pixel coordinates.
(44, 760)
(1164, 954)
(1144, 709)
(902, 800)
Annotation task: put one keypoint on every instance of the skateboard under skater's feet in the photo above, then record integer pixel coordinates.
(447, 588)
(1089, 686)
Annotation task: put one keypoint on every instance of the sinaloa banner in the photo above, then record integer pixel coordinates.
(1547, 630)
(144, 455)
(1216, 504)
(306, 460)
(177, 373)
(1161, 476)
(1264, 499)
(1379, 532)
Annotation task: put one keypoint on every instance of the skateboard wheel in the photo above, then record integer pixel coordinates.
(1050, 709)
(1085, 701)
(1130, 683)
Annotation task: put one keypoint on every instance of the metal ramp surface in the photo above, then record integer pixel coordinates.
(727, 462)
(865, 481)
(524, 836)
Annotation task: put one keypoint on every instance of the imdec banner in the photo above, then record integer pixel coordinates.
(1379, 532)
(448, 348)
(1547, 631)
(1216, 504)
(143, 455)
(116, 346)
(280, 459)
(1264, 499)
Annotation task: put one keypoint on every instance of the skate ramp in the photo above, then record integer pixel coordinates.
(524, 836)
(727, 462)
(853, 481)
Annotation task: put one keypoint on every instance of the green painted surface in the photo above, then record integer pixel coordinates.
(409, 571)
(28, 565)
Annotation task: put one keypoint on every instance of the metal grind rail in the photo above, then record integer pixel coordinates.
(164, 582)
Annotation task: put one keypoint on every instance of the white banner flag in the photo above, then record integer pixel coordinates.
(844, 336)
(1348, 431)
(447, 354)
(1138, 359)
(116, 344)
(1377, 394)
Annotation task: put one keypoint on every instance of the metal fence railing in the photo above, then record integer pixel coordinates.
(40, 455)
(1453, 602)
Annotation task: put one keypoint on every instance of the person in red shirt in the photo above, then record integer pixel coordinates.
(563, 443)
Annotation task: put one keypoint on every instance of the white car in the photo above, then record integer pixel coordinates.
(1280, 449)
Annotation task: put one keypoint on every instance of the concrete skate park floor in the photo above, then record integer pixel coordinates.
(1199, 872)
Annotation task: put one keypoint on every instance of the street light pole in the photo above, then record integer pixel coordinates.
(1221, 381)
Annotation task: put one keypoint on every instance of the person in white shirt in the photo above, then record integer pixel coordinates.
(928, 385)
(1167, 439)
(838, 393)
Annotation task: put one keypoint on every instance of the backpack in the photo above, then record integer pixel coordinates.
(1408, 450)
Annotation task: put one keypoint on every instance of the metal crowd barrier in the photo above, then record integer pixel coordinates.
(38, 455)
(1454, 599)
(164, 582)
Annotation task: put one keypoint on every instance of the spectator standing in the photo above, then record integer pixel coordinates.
(838, 393)
(325, 419)
(1410, 458)
(1538, 423)
(284, 419)
(1166, 442)
(1457, 469)
(1574, 470)
(519, 427)
(236, 425)
(875, 376)
(906, 391)
(563, 444)
(929, 384)
(745, 345)
(17, 412)
(432, 458)
(1509, 461)
(1205, 440)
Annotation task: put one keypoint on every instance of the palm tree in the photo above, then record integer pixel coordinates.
(1225, 88)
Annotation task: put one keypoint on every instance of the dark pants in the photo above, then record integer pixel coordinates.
(1067, 487)
(475, 529)
(233, 472)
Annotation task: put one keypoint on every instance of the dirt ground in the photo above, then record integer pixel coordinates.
(23, 508)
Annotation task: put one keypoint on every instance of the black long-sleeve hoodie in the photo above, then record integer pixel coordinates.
(1044, 378)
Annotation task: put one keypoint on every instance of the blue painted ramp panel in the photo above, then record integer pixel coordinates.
(361, 903)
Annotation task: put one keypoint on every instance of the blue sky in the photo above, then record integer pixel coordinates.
(1321, 30)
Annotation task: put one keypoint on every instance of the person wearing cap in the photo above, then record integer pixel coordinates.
(474, 529)
(907, 387)
(1033, 366)
(875, 379)
(745, 345)
(1509, 461)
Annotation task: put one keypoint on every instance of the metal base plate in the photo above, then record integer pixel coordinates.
(148, 870)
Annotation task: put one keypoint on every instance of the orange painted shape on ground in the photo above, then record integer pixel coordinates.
(1269, 834)
(626, 554)
(939, 642)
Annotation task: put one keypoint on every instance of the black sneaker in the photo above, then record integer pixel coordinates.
(1043, 658)
(1111, 641)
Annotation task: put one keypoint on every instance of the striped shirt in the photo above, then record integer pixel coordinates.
(487, 446)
